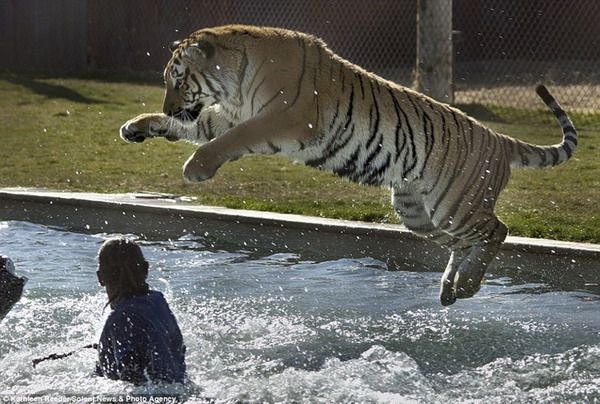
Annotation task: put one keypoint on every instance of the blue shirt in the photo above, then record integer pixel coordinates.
(141, 340)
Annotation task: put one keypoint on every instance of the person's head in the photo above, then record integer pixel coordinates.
(122, 269)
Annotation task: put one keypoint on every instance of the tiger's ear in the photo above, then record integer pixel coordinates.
(174, 45)
(204, 48)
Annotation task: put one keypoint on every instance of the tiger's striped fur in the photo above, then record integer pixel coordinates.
(238, 90)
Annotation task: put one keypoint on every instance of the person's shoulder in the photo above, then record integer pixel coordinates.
(156, 296)
(128, 307)
(125, 317)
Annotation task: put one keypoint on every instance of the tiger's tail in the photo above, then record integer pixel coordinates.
(529, 155)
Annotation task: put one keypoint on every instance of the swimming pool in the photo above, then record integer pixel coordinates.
(278, 328)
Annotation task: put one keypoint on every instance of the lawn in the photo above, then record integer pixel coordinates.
(62, 133)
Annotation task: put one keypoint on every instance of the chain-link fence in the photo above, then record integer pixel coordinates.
(501, 48)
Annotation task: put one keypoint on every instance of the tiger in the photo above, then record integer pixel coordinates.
(238, 90)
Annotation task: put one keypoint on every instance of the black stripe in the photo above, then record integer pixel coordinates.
(256, 73)
(199, 126)
(243, 71)
(376, 174)
(398, 110)
(301, 78)
(269, 101)
(255, 92)
(542, 154)
(571, 138)
(374, 153)
(413, 152)
(316, 71)
(210, 133)
(471, 231)
(362, 88)
(195, 80)
(524, 153)
(412, 147)
(555, 156)
(273, 148)
(376, 122)
(428, 144)
(331, 150)
(350, 108)
(568, 150)
(349, 167)
(335, 115)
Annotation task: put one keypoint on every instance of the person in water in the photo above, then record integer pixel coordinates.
(141, 340)
(11, 286)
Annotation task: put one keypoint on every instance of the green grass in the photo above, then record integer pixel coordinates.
(61, 133)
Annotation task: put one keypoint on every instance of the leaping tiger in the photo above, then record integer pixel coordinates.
(238, 90)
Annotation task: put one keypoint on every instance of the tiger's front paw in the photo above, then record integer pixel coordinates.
(144, 126)
(202, 165)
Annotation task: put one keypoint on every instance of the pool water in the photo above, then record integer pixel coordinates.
(279, 328)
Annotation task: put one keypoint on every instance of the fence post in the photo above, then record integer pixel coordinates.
(433, 75)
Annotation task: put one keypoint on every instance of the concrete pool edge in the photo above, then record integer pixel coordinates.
(156, 215)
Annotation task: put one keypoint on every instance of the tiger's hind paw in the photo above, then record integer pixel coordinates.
(447, 294)
(467, 286)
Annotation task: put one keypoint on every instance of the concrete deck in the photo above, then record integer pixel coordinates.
(157, 216)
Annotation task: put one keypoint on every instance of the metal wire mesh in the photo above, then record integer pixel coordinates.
(502, 48)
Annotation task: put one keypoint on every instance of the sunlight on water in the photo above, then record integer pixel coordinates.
(280, 329)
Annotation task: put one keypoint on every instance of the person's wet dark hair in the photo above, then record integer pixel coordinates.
(122, 268)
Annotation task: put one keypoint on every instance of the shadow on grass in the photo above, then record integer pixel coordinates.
(52, 90)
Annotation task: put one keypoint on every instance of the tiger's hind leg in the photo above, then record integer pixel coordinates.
(473, 244)
(467, 265)
(408, 204)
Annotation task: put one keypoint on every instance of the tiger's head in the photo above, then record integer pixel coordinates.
(199, 74)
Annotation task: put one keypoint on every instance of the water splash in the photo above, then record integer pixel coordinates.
(277, 328)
